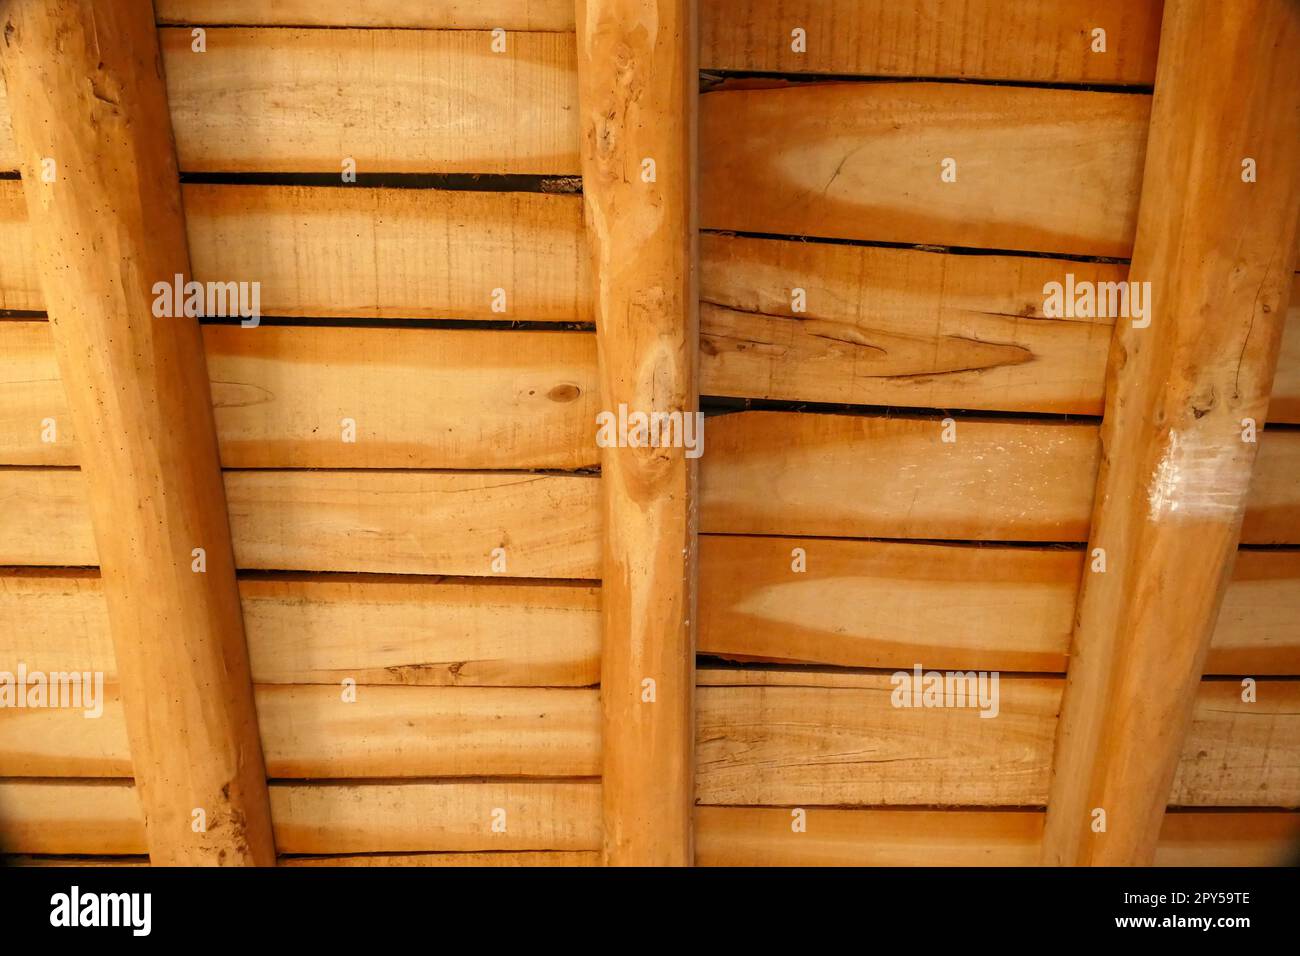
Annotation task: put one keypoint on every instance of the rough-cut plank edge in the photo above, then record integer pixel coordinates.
(399, 522)
(890, 604)
(1023, 40)
(321, 629)
(763, 836)
(554, 16)
(754, 751)
(412, 398)
(283, 99)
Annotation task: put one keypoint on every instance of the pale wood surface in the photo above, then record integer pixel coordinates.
(638, 79)
(870, 476)
(862, 161)
(393, 100)
(418, 398)
(835, 739)
(967, 39)
(541, 15)
(1176, 479)
(761, 836)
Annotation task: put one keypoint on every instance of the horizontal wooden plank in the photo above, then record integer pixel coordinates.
(891, 604)
(498, 858)
(292, 100)
(327, 732)
(912, 328)
(762, 836)
(863, 161)
(71, 816)
(792, 738)
(374, 629)
(20, 286)
(104, 818)
(984, 39)
(850, 476)
(791, 473)
(552, 15)
(901, 327)
(421, 817)
(416, 398)
(394, 253)
(397, 522)
(8, 148)
(84, 817)
(363, 252)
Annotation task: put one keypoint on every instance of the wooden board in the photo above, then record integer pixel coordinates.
(840, 475)
(421, 817)
(985, 39)
(394, 253)
(374, 629)
(104, 818)
(382, 521)
(854, 476)
(364, 252)
(70, 816)
(289, 100)
(906, 327)
(897, 327)
(417, 398)
(762, 836)
(20, 286)
(796, 738)
(8, 149)
(313, 732)
(891, 604)
(863, 161)
(542, 15)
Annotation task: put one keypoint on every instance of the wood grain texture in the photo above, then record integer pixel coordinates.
(896, 327)
(863, 161)
(286, 100)
(394, 253)
(423, 817)
(20, 286)
(848, 476)
(312, 732)
(417, 398)
(374, 629)
(638, 78)
(71, 816)
(8, 149)
(499, 858)
(792, 473)
(541, 15)
(1176, 477)
(104, 818)
(984, 39)
(364, 252)
(379, 521)
(891, 604)
(806, 738)
(762, 836)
